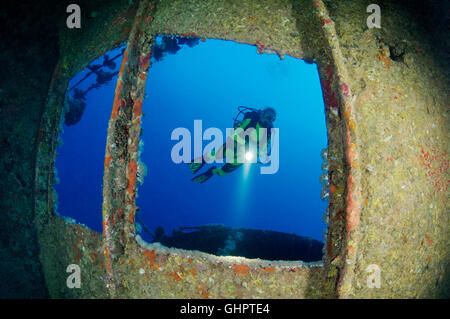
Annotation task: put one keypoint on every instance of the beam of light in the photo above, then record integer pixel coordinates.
(246, 170)
(249, 156)
(241, 203)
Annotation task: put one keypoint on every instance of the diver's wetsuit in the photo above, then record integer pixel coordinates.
(251, 120)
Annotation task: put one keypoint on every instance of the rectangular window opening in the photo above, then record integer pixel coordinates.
(82, 139)
(199, 88)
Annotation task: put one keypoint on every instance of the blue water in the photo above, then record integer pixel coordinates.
(208, 82)
(80, 158)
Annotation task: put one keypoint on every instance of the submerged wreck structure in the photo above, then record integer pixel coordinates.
(251, 243)
(387, 113)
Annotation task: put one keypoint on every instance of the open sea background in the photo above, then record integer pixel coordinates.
(207, 82)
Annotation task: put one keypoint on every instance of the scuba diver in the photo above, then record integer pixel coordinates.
(253, 118)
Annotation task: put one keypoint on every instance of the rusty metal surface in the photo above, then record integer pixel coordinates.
(388, 152)
(120, 169)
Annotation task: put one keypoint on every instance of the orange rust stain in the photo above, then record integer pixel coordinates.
(175, 276)
(124, 61)
(386, 60)
(117, 100)
(191, 34)
(104, 228)
(353, 207)
(137, 108)
(205, 293)
(131, 217)
(108, 266)
(317, 3)
(427, 237)
(107, 160)
(240, 269)
(350, 150)
(132, 171)
(150, 256)
(193, 272)
(269, 269)
(346, 114)
(332, 188)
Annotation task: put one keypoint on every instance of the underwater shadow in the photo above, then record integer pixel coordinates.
(220, 240)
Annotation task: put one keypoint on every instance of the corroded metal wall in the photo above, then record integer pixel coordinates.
(387, 121)
(400, 100)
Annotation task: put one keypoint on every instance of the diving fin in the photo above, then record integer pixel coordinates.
(204, 176)
(195, 166)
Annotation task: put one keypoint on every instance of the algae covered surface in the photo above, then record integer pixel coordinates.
(402, 116)
(386, 98)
